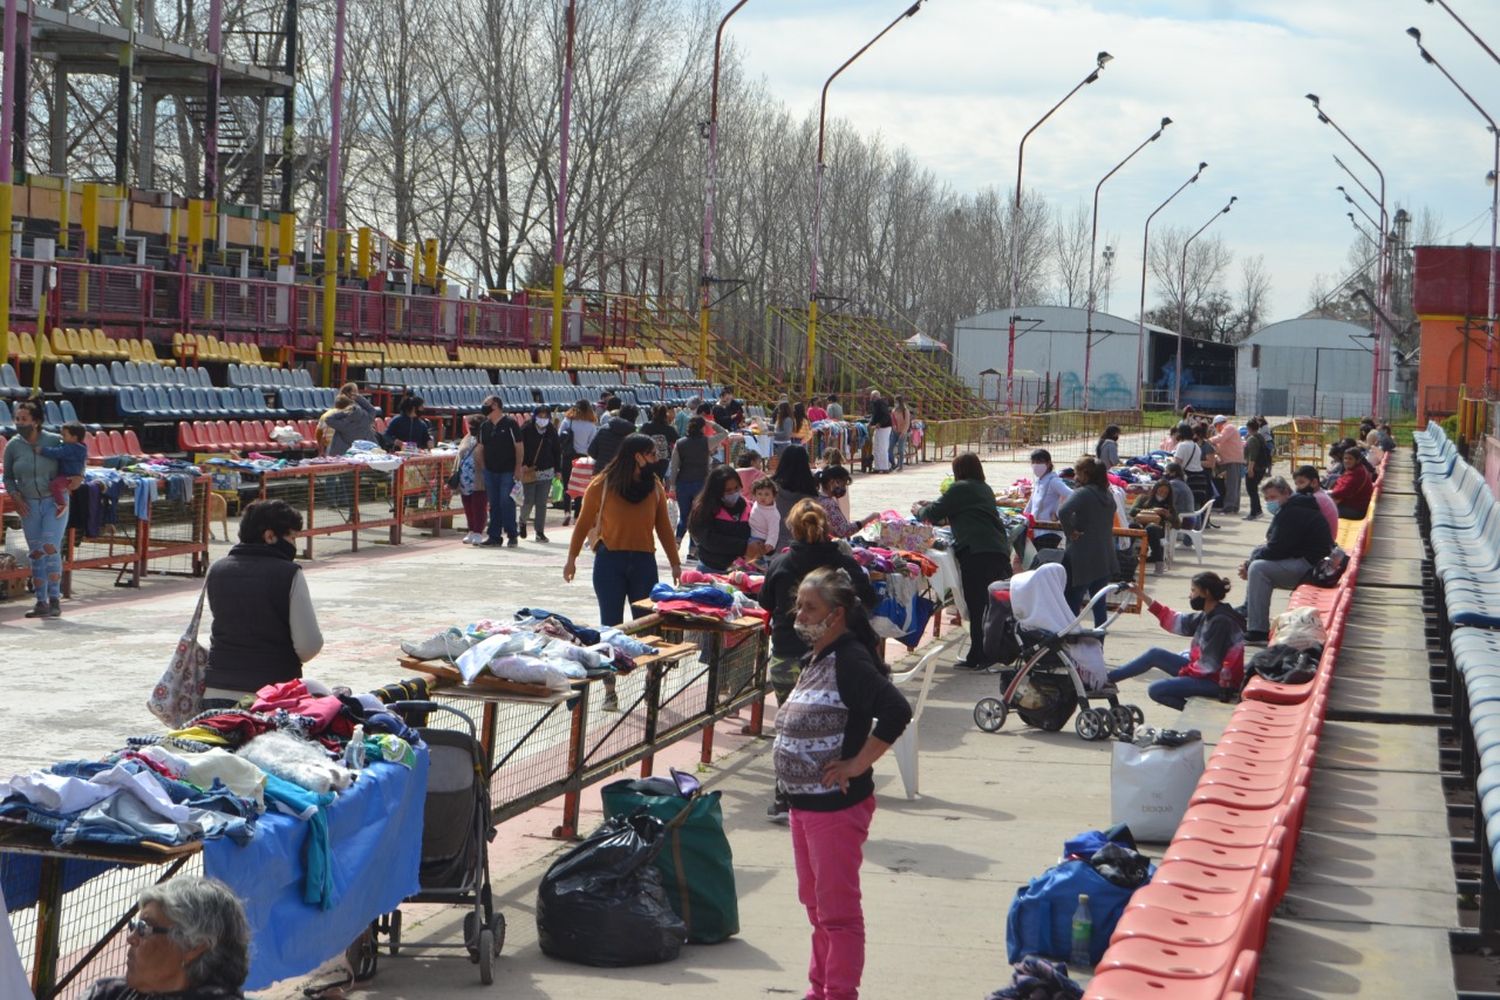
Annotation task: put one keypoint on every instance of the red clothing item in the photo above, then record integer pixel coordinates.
(1354, 488)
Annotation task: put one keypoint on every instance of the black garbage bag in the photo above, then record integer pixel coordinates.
(602, 903)
(1122, 866)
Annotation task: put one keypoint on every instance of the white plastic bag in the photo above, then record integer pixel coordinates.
(1300, 628)
(1149, 787)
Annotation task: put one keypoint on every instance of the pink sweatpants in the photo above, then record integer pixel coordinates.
(828, 847)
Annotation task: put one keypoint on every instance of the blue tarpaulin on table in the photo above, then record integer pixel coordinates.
(375, 832)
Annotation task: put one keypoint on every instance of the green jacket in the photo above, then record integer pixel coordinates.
(969, 508)
(27, 471)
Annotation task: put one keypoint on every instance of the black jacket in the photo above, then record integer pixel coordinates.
(779, 593)
(1299, 530)
(539, 448)
(880, 413)
(725, 537)
(607, 442)
(250, 596)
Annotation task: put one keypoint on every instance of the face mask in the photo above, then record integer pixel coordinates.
(1272, 506)
(541, 421)
(29, 431)
(487, 409)
(285, 547)
(730, 499)
(811, 632)
(1196, 603)
(839, 491)
(1038, 469)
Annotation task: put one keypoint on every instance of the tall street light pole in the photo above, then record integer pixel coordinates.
(1015, 225)
(331, 231)
(1088, 326)
(1368, 217)
(7, 175)
(817, 226)
(1182, 300)
(558, 242)
(1140, 348)
(1489, 339)
(1382, 272)
(710, 198)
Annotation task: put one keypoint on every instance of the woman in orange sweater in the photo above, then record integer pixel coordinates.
(627, 502)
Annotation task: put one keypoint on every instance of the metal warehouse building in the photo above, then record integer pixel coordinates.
(1316, 367)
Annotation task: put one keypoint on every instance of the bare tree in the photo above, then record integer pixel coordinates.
(1254, 296)
(1070, 257)
(1185, 289)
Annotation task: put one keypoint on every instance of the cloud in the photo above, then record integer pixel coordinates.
(960, 82)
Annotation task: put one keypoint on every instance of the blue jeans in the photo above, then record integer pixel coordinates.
(1173, 692)
(1079, 596)
(686, 494)
(497, 486)
(44, 529)
(621, 577)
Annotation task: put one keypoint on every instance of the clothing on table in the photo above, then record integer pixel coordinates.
(264, 626)
(969, 508)
(778, 594)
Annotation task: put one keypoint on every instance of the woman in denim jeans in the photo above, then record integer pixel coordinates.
(627, 503)
(27, 476)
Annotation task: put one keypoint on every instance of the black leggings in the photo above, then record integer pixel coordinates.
(1252, 486)
(977, 570)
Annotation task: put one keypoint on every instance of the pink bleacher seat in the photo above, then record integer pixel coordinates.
(187, 437)
(117, 444)
(95, 445)
(1141, 921)
(132, 443)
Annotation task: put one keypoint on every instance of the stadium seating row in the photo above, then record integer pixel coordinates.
(497, 357)
(206, 347)
(308, 402)
(95, 380)
(370, 352)
(155, 403)
(259, 377)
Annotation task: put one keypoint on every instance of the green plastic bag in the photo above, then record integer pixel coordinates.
(696, 864)
(556, 494)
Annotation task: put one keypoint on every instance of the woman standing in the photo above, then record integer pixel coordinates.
(409, 427)
(28, 479)
(782, 426)
(880, 431)
(1048, 491)
(688, 469)
(979, 542)
(802, 431)
(1107, 450)
(1187, 454)
(661, 430)
(794, 482)
(900, 429)
(573, 438)
(720, 522)
(627, 502)
(264, 625)
(471, 481)
(540, 455)
(827, 739)
(1088, 518)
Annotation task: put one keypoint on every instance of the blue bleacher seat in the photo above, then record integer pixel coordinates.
(7, 420)
(52, 416)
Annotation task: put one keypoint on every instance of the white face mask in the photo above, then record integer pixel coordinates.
(811, 632)
(1038, 469)
(541, 421)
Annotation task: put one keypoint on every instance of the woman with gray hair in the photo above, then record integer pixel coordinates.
(188, 941)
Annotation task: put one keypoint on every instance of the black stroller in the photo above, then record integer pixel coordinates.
(456, 832)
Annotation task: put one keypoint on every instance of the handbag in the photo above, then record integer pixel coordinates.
(1330, 569)
(178, 694)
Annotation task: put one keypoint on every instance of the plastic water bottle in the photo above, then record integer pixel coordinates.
(354, 759)
(1083, 935)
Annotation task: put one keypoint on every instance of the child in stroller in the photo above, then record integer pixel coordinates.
(1061, 661)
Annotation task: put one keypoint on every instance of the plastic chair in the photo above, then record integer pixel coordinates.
(1194, 536)
(906, 745)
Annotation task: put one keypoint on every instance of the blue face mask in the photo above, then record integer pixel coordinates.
(730, 499)
(1272, 506)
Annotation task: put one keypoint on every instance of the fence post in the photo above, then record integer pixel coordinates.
(574, 794)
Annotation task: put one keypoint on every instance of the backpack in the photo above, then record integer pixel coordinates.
(1328, 572)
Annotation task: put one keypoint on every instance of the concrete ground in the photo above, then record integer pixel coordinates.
(940, 870)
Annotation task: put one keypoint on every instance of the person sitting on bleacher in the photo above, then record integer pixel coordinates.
(1296, 541)
(1352, 490)
(1305, 480)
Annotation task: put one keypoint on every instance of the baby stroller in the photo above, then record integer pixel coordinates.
(1030, 624)
(456, 832)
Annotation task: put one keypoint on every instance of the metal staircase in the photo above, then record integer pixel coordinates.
(665, 324)
(244, 171)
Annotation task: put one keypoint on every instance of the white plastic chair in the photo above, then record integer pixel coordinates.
(1195, 535)
(905, 747)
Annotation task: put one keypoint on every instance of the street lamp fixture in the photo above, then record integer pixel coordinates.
(1489, 340)
(710, 197)
(1182, 299)
(1140, 347)
(817, 227)
(1015, 218)
(1088, 327)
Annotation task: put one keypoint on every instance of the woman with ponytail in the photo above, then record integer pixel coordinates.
(842, 716)
(1214, 664)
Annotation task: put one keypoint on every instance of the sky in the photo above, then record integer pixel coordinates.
(959, 83)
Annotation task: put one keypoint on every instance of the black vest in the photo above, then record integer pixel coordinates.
(250, 594)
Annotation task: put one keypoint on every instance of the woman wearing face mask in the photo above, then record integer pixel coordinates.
(833, 487)
(627, 503)
(827, 739)
(720, 522)
(1048, 491)
(28, 478)
(1215, 661)
(1088, 516)
(264, 626)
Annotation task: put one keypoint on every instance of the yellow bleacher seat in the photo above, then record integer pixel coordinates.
(59, 342)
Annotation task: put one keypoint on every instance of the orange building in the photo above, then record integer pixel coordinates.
(1450, 296)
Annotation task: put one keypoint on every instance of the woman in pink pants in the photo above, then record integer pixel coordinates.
(825, 746)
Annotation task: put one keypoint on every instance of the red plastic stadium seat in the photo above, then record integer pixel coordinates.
(117, 443)
(94, 443)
